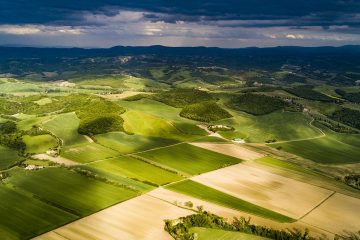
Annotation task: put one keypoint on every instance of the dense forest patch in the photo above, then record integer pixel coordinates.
(204, 112)
(347, 116)
(307, 92)
(352, 97)
(256, 104)
(182, 97)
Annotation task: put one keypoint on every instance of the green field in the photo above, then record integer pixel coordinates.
(118, 81)
(40, 143)
(8, 157)
(70, 191)
(65, 127)
(189, 159)
(206, 193)
(136, 169)
(322, 150)
(88, 152)
(218, 234)
(277, 125)
(119, 179)
(23, 217)
(125, 143)
(149, 125)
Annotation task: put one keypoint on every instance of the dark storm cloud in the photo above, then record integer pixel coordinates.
(225, 23)
(308, 12)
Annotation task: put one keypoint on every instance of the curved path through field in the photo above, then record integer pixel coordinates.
(322, 134)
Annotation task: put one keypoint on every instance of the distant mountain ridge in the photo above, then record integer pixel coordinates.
(37, 52)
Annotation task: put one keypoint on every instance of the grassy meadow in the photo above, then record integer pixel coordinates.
(70, 191)
(136, 169)
(189, 159)
(40, 143)
(88, 152)
(8, 157)
(130, 143)
(23, 216)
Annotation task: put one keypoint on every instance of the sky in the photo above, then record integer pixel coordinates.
(213, 23)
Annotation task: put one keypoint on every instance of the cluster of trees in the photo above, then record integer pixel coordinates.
(13, 141)
(179, 229)
(347, 116)
(7, 127)
(352, 97)
(182, 97)
(96, 114)
(335, 126)
(10, 137)
(307, 92)
(353, 181)
(204, 112)
(256, 104)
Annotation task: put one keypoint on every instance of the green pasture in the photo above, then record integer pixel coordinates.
(8, 157)
(88, 153)
(40, 143)
(136, 169)
(70, 191)
(65, 126)
(278, 125)
(23, 217)
(189, 159)
(125, 143)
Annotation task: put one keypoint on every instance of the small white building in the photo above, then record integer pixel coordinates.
(238, 140)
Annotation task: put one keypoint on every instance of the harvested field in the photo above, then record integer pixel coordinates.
(59, 160)
(228, 213)
(280, 194)
(231, 150)
(122, 95)
(138, 218)
(338, 213)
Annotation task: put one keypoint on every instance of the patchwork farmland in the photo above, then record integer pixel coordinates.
(177, 152)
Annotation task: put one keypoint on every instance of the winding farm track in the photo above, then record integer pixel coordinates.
(322, 134)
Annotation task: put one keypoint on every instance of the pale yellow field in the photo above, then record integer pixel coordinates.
(231, 150)
(139, 218)
(122, 95)
(280, 194)
(58, 159)
(229, 214)
(338, 213)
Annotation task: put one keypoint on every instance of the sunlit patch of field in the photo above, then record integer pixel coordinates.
(339, 213)
(40, 143)
(231, 150)
(89, 152)
(136, 169)
(283, 195)
(139, 218)
(127, 143)
(65, 126)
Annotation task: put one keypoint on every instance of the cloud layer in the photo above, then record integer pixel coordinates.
(241, 23)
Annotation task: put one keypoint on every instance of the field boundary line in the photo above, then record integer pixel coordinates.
(193, 210)
(316, 206)
(54, 231)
